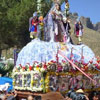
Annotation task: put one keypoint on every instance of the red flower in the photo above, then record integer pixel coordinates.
(24, 67)
(86, 67)
(38, 66)
(59, 68)
(53, 61)
(85, 64)
(63, 61)
(72, 60)
(82, 57)
(20, 65)
(91, 61)
(98, 61)
(98, 67)
(72, 55)
(30, 67)
(45, 66)
(49, 63)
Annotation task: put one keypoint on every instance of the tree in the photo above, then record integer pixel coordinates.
(14, 19)
(6, 35)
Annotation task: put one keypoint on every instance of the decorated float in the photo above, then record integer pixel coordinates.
(49, 64)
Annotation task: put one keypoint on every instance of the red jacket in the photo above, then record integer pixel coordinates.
(35, 23)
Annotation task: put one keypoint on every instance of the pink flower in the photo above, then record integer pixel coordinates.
(91, 61)
(63, 61)
(36, 62)
(20, 65)
(24, 67)
(82, 57)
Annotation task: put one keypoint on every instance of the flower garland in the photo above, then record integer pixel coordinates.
(31, 77)
(39, 6)
(55, 66)
(34, 78)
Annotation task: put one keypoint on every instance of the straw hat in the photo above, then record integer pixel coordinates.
(80, 91)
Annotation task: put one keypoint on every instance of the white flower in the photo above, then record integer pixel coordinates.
(42, 70)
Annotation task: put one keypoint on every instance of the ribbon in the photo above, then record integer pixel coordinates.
(77, 67)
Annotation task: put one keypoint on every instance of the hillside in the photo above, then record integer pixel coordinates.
(90, 38)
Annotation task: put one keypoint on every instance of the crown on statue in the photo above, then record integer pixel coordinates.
(56, 1)
(59, 1)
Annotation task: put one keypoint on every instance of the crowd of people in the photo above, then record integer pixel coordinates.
(80, 95)
(71, 95)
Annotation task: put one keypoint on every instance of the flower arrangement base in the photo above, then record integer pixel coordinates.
(40, 81)
(24, 94)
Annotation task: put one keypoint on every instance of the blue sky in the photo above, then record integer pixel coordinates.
(87, 8)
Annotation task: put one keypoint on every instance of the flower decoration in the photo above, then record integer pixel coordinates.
(37, 82)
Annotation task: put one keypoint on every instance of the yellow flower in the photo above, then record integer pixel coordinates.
(14, 83)
(47, 81)
(32, 82)
(42, 86)
(41, 24)
(37, 69)
(41, 80)
(57, 74)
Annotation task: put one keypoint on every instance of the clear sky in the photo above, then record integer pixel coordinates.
(86, 8)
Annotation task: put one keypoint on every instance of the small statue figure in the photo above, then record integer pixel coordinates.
(41, 28)
(58, 23)
(33, 26)
(79, 31)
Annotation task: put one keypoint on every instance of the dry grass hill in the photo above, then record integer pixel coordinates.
(91, 38)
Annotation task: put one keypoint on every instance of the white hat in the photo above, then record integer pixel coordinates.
(7, 84)
(35, 14)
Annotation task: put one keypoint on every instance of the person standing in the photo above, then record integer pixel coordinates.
(79, 31)
(15, 54)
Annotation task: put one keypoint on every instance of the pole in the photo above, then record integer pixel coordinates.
(39, 6)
